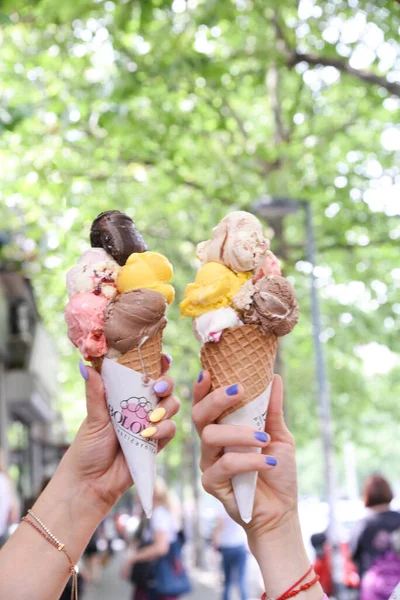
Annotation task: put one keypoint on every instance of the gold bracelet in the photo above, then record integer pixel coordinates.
(51, 538)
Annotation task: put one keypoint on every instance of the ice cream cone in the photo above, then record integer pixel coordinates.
(247, 356)
(130, 398)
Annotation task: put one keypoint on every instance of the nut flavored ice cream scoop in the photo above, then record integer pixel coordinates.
(117, 234)
(237, 242)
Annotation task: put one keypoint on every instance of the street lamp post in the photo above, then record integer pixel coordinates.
(271, 208)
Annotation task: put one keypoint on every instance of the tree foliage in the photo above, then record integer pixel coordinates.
(178, 112)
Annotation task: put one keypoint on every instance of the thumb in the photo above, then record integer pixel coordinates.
(96, 404)
(275, 423)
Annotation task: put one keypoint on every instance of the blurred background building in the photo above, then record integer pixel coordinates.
(32, 433)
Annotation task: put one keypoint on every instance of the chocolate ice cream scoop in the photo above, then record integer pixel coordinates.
(274, 307)
(134, 316)
(116, 233)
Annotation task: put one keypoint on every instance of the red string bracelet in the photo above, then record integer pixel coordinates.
(291, 592)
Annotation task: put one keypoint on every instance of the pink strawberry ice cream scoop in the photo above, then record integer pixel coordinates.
(84, 316)
(268, 265)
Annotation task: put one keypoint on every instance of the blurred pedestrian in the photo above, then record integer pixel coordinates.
(159, 572)
(230, 540)
(374, 544)
(8, 503)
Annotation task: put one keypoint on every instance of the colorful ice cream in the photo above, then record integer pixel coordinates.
(134, 317)
(272, 306)
(96, 272)
(117, 234)
(209, 326)
(84, 316)
(214, 287)
(237, 242)
(149, 270)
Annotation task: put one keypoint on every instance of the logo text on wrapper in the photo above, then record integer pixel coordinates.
(133, 415)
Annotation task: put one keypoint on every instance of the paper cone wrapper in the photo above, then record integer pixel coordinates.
(247, 356)
(130, 400)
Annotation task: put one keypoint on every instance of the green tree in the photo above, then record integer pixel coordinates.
(178, 112)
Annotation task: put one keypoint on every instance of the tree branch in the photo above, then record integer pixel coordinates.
(344, 67)
(293, 57)
(273, 87)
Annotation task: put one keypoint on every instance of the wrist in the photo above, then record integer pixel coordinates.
(282, 558)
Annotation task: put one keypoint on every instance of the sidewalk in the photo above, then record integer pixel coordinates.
(111, 587)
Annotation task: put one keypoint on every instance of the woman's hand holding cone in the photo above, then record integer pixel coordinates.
(274, 532)
(276, 494)
(95, 458)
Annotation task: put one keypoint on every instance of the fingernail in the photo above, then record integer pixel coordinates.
(160, 387)
(261, 436)
(271, 461)
(149, 432)
(169, 358)
(83, 370)
(200, 377)
(157, 414)
(232, 390)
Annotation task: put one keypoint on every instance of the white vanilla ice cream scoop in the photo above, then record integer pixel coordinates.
(209, 326)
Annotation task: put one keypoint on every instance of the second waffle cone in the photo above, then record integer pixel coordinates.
(244, 355)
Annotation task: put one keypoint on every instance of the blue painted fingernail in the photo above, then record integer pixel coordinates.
(232, 390)
(160, 387)
(261, 436)
(83, 370)
(169, 358)
(200, 377)
(271, 461)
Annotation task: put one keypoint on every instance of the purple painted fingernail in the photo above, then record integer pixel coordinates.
(83, 370)
(261, 436)
(232, 390)
(200, 377)
(271, 461)
(169, 358)
(160, 387)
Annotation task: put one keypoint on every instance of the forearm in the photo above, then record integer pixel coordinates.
(283, 560)
(30, 567)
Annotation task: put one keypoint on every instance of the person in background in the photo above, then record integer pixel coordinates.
(155, 542)
(230, 540)
(373, 544)
(8, 504)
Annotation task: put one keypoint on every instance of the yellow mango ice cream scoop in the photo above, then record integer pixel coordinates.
(214, 287)
(149, 270)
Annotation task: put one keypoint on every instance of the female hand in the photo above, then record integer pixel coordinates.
(95, 458)
(274, 532)
(276, 492)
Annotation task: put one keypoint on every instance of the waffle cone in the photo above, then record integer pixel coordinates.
(244, 355)
(145, 359)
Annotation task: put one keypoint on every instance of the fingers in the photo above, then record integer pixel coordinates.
(201, 387)
(164, 432)
(214, 404)
(216, 437)
(95, 397)
(275, 421)
(231, 464)
(166, 408)
(166, 362)
(164, 386)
